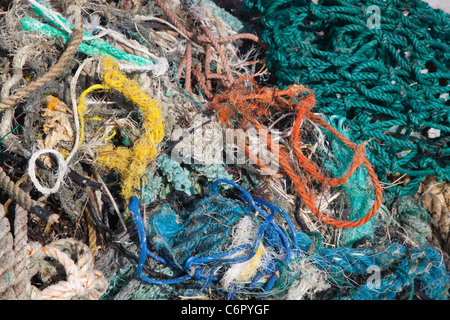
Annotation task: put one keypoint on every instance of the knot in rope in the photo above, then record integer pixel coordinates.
(82, 281)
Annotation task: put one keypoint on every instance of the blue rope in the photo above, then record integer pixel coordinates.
(421, 268)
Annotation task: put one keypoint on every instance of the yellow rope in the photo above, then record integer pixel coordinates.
(253, 264)
(130, 163)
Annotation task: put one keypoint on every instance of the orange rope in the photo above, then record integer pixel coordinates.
(245, 106)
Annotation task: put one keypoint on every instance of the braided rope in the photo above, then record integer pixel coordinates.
(22, 281)
(6, 259)
(23, 199)
(17, 194)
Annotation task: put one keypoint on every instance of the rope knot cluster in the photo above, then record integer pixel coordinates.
(82, 281)
(390, 82)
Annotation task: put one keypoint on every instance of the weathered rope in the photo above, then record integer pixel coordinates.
(92, 45)
(10, 140)
(20, 196)
(192, 243)
(23, 199)
(22, 280)
(203, 74)
(130, 163)
(7, 259)
(61, 173)
(83, 281)
(55, 71)
(435, 197)
(14, 280)
(251, 105)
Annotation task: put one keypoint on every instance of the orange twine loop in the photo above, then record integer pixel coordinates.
(242, 106)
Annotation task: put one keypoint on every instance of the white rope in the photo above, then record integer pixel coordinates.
(62, 171)
(73, 84)
(158, 68)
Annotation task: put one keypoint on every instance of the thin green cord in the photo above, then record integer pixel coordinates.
(410, 279)
(8, 134)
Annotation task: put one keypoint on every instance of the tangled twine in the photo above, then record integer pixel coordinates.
(55, 71)
(205, 76)
(435, 197)
(196, 244)
(420, 266)
(257, 103)
(264, 259)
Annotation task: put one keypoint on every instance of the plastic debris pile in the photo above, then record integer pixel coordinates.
(181, 150)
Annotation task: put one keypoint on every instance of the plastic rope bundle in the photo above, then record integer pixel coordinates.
(196, 243)
(387, 79)
(201, 247)
(397, 269)
(55, 71)
(90, 45)
(200, 244)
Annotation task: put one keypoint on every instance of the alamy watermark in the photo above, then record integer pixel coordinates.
(374, 20)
